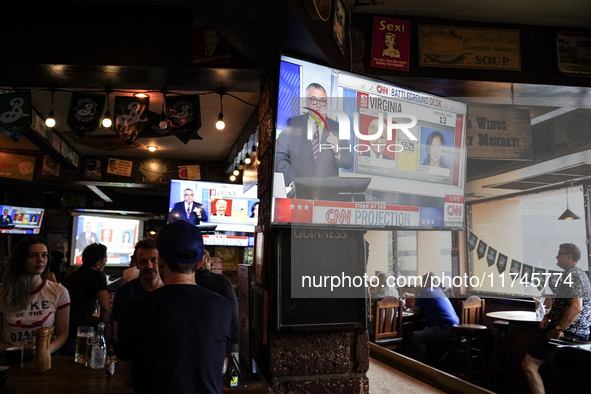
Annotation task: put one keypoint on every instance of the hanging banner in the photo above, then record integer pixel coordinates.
(85, 113)
(131, 117)
(526, 271)
(184, 116)
(501, 263)
(515, 267)
(490, 256)
(472, 238)
(539, 273)
(481, 249)
(15, 114)
(390, 44)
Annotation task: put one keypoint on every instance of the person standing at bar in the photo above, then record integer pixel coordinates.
(174, 339)
(86, 285)
(570, 315)
(146, 258)
(29, 302)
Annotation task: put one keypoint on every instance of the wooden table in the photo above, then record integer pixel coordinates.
(522, 331)
(67, 377)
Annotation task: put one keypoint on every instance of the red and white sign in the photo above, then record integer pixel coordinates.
(453, 209)
(390, 44)
(344, 213)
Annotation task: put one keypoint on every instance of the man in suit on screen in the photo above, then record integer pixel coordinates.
(5, 220)
(188, 210)
(86, 238)
(297, 156)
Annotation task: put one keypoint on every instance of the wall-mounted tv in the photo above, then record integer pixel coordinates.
(118, 233)
(224, 205)
(355, 152)
(20, 220)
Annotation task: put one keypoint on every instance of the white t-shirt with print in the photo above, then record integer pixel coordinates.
(45, 301)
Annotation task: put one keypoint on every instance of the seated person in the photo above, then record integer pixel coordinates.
(439, 314)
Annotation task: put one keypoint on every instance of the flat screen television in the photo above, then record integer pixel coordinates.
(356, 152)
(118, 233)
(226, 205)
(20, 220)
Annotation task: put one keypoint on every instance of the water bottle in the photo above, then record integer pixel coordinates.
(99, 349)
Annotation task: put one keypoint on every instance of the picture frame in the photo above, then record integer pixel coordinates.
(258, 260)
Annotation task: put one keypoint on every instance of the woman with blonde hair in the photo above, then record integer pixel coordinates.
(28, 301)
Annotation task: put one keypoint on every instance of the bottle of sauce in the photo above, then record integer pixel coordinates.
(42, 360)
(110, 363)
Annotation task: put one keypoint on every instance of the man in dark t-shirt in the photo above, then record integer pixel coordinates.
(146, 258)
(86, 285)
(174, 339)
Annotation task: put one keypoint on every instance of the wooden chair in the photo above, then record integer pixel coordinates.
(469, 333)
(388, 322)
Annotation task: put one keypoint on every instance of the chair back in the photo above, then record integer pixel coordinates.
(472, 311)
(388, 318)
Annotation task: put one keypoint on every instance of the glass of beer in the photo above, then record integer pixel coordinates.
(84, 333)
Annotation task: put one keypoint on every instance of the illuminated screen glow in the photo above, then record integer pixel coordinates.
(118, 234)
(334, 167)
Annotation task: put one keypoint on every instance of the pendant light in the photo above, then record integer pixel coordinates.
(50, 121)
(568, 214)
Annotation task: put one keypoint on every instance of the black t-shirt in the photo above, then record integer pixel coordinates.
(176, 337)
(83, 285)
(221, 285)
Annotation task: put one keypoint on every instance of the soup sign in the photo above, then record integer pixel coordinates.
(456, 47)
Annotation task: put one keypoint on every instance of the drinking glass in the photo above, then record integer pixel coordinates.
(82, 339)
(27, 355)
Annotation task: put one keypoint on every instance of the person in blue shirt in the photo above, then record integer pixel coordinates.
(439, 315)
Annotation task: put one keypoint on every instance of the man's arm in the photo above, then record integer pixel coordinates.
(103, 298)
(203, 217)
(574, 308)
(283, 156)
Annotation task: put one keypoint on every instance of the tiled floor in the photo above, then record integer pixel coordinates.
(386, 380)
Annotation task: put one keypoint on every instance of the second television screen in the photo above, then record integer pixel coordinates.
(221, 204)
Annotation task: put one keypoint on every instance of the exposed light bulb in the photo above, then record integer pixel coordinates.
(236, 172)
(247, 159)
(50, 121)
(152, 148)
(220, 124)
(232, 177)
(140, 95)
(107, 122)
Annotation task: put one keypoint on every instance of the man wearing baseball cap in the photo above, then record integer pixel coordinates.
(174, 339)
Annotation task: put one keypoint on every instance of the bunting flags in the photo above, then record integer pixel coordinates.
(472, 238)
(501, 263)
(184, 117)
(85, 113)
(131, 116)
(481, 249)
(490, 256)
(15, 114)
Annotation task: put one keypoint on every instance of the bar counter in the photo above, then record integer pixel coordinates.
(65, 376)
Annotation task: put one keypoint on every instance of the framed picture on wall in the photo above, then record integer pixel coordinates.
(258, 267)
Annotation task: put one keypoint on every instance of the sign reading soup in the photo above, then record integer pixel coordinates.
(457, 47)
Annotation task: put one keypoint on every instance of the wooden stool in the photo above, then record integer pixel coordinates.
(471, 333)
(500, 345)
